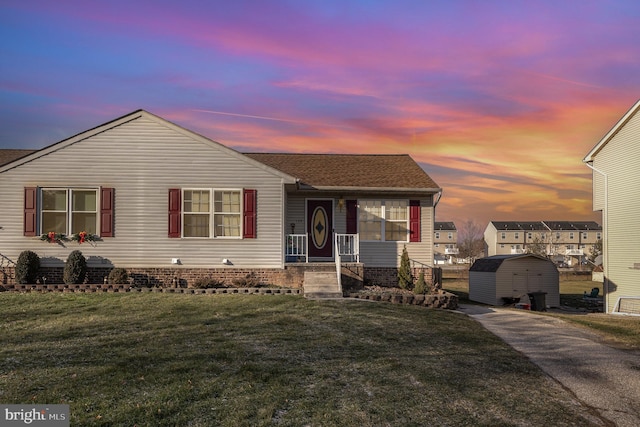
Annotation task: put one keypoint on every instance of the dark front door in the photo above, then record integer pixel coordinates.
(320, 228)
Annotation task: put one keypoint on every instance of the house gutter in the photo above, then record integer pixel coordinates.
(605, 228)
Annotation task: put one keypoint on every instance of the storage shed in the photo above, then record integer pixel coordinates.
(496, 279)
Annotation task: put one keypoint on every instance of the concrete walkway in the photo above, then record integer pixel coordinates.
(604, 379)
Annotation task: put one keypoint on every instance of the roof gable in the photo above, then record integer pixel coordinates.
(614, 130)
(383, 172)
(15, 162)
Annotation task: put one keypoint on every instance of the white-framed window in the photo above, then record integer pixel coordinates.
(437, 234)
(598, 236)
(437, 245)
(585, 235)
(503, 235)
(383, 220)
(571, 235)
(69, 210)
(529, 235)
(450, 236)
(211, 213)
(517, 235)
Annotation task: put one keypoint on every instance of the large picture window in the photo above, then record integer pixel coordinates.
(383, 220)
(69, 211)
(212, 213)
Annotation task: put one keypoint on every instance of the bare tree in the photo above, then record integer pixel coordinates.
(470, 240)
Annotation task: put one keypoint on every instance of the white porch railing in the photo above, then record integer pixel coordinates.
(451, 251)
(348, 246)
(297, 247)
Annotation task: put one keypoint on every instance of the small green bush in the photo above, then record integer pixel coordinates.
(421, 285)
(208, 282)
(27, 267)
(118, 276)
(75, 269)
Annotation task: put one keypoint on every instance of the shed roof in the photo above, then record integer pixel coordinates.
(492, 263)
(379, 171)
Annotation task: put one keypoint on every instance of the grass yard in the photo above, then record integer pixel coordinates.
(620, 331)
(246, 360)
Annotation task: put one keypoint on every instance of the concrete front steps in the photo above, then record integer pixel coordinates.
(321, 284)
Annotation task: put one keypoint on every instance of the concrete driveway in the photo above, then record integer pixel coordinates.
(604, 379)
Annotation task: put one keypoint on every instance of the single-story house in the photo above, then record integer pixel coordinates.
(497, 279)
(169, 204)
(615, 165)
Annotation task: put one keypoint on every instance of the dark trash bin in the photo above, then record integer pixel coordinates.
(538, 301)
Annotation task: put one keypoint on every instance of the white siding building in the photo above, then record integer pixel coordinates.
(615, 162)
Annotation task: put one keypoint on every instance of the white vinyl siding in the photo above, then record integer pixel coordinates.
(142, 159)
(619, 159)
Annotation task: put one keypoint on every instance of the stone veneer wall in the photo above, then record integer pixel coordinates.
(354, 275)
(292, 276)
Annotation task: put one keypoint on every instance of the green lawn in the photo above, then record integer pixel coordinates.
(247, 360)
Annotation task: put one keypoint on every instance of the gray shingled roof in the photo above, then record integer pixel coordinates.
(350, 170)
(444, 226)
(9, 155)
(492, 263)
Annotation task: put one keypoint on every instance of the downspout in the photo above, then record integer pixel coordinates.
(605, 228)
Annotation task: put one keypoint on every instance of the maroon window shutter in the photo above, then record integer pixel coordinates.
(352, 216)
(106, 212)
(30, 214)
(414, 221)
(175, 209)
(249, 214)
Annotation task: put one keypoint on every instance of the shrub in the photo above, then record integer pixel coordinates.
(249, 281)
(405, 279)
(75, 269)
(208, 282)
(27, 267)
(421, 285)
(118, 276)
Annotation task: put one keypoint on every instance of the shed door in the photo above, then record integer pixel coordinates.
(519, 285)
(320, 228)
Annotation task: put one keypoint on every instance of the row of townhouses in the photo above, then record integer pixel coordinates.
(568, 243)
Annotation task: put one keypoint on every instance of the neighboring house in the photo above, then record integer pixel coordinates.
(445, 242)
(615, 162)
(568, 243)
(171, 205)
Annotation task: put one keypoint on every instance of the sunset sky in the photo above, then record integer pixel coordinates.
(498, 101)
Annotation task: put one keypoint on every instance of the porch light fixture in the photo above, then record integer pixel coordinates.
(175, 261)
(226, 262)
(340, 203)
